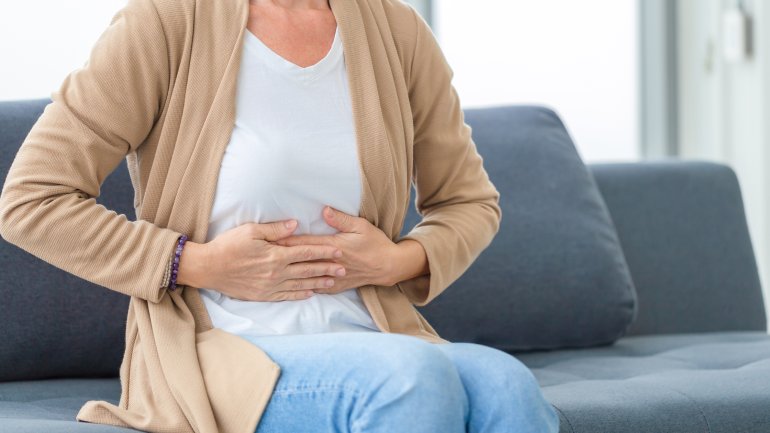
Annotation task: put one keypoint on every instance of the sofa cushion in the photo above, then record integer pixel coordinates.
(51, 405)
(555, 275)
(686, 240)
(699, 382)
(54, 323)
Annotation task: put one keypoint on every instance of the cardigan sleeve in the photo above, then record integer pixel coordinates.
(101, 112)
(458, 203)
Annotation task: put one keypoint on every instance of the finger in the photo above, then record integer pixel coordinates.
(340, 220)
(334, 290)
(314, 269)
(299, 284)
(272, 231)
(291, 295)
(306, 240)
(301, 253)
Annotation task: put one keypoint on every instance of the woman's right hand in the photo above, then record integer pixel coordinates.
(243, 264)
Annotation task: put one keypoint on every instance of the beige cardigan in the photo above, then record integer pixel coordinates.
(159, 90)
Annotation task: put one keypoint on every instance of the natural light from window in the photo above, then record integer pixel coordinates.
(579, 58)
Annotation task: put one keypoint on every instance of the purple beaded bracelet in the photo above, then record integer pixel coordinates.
(175, 265)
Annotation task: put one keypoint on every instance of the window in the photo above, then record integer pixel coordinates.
(45, 40)
(579, 58)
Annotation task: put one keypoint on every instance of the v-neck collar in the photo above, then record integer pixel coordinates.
(286, 67)
(365, 102)
(372, 141)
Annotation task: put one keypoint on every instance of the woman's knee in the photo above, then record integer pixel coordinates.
(415, 372)
(502, 382)
(512, 374)
(499, 372)
(408, 358)
(409, 378)
(516, 380)
(407, 367)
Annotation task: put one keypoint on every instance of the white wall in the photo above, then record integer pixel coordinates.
(579, 57)
(725, 107)
(42, 41)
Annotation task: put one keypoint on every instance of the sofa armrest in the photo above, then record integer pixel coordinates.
(683, 230)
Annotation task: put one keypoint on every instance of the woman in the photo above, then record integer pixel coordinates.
(237, 116)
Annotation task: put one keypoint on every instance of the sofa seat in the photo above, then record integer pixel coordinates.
(50, 405)
(700, 382)
(706, 382)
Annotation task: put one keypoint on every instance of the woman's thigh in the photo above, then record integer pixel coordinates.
(361, 382)
(503, 393)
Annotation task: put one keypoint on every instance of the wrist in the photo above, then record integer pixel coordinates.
(193, 263)
(408, 261)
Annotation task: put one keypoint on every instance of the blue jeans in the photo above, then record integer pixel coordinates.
(377, 382)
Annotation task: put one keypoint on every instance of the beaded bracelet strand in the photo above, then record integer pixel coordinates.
(175, 265)
(167, 272)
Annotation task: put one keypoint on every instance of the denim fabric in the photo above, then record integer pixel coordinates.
(378, 382)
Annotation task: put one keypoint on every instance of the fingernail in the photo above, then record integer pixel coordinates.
(290, 224)
(329, 283)
(340, 272)
(329, 212)
(338, 253)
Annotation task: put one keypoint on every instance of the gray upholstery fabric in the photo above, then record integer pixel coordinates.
(51, 405)
(56, 324)
(555, 275)
(686, 383)
(708, 382)
(685, 237)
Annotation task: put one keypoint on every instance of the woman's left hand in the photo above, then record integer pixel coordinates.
(366, 250)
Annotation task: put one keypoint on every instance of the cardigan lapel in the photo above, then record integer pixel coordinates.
(372, 141)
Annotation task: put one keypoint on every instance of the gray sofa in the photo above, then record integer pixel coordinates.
(630, 290)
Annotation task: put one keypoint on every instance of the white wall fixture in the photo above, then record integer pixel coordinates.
(735, 34)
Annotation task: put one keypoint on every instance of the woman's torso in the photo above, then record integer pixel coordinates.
(292, 151)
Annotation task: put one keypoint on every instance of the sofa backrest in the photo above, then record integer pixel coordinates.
(682, 226)
(680, 223)
(686, 240)
(53, 323)
(554, 276)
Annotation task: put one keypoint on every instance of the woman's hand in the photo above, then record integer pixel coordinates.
(244, 264)
(366, 250)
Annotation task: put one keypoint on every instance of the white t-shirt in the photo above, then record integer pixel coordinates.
(292, 151)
